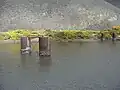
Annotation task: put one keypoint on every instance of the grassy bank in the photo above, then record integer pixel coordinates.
(58, 34)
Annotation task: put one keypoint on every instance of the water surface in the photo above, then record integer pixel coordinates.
(73, 66)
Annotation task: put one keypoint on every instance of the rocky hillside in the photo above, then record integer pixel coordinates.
(58, 14)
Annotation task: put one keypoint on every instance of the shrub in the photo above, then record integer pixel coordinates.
(58, 34)
(116, 27)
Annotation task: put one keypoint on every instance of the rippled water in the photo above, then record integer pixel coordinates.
(73, 66)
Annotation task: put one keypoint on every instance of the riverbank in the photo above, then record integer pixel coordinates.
(13, 36)
(36, 41)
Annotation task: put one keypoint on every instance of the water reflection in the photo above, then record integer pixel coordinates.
(23, 61)
(45, 63)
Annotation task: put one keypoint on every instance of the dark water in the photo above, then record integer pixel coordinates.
(73, 66)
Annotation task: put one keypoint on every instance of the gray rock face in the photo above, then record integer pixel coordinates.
(59, 14)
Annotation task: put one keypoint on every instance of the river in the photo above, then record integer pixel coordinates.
(73, 66)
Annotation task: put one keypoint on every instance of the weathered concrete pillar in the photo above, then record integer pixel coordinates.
(25, 45)
(44, 46)
(23, 42)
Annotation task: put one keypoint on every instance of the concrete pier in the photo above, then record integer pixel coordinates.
(44, 46)
(25, 45)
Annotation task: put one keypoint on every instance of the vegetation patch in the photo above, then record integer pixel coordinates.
(60, 34)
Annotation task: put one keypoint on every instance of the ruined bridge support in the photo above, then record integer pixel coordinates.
(44, 45)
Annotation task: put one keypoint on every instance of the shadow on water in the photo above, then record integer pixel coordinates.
(109, 42)
(23, 60)
(45, 63)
